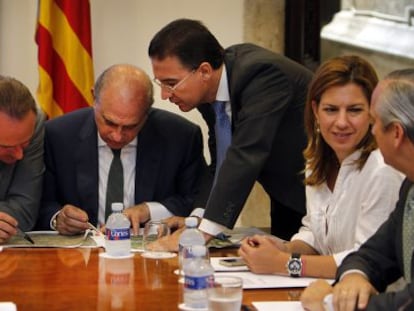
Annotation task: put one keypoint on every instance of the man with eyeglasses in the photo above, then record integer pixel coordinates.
(263, 94)
(160, 152)
(21, 158)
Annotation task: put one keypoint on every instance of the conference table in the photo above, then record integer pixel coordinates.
(81, 279)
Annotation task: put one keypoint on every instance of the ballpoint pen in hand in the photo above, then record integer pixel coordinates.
(25, 235)
(94, 228)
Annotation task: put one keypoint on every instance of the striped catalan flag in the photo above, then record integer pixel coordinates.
(63, 36)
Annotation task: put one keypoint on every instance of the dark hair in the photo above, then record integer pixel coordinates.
(190, 41)
(338, 71)
(16, 101)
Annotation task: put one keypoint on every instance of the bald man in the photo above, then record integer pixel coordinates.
(161, 155)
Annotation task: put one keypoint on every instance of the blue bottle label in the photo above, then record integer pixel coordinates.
(198, 282)
(118, 234)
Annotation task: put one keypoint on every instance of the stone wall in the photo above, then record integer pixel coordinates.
(380, 30)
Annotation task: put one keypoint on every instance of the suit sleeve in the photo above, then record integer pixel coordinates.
(50, 203)
(402, 300)
(189, 175)
(23, 196)
(261, 104)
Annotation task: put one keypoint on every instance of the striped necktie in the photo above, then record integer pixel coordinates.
(222, 132)
(115, 186)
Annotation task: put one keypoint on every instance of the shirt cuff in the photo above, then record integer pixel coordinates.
(352, 271)
(52, 221)
(198, 212)
(211, 227)
(158, 211)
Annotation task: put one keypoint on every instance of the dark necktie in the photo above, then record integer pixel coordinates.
(115, 186)
(408, 234)
(223, 133)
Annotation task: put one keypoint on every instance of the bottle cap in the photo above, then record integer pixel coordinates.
(191, 222)
(117, 207)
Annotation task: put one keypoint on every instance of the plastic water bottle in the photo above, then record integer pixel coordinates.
(189, 237)
(117, 234)
(198, 277)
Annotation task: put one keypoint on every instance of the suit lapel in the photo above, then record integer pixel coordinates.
(86, 157)
(149, 157)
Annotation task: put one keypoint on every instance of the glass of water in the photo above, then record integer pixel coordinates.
(226, 294)
(154, 247)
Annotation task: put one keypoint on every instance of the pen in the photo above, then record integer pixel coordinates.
(94, 228)
(25, 235)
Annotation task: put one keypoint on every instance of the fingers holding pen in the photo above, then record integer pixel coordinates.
(71, 220)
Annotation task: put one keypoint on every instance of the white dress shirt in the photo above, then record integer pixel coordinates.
(128, 158)
(337, 223)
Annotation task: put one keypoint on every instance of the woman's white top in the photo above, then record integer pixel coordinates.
(337, 223)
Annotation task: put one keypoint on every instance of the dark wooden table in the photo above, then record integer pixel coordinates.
(79, 279)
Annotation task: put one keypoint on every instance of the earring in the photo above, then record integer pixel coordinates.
(317, 128)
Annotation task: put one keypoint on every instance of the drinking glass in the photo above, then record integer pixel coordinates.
(153, 245)
(226, 294)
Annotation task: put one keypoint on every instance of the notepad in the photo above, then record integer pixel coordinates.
(52, 239)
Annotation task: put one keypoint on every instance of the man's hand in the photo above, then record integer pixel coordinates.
(71, 220)
(169, 243)
(312, 297)
(8, 227)
(352, 292)
(175, 222)
(263, 254)
(137, 215)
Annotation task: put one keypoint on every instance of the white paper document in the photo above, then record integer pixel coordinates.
(252, 280)
(278, 305)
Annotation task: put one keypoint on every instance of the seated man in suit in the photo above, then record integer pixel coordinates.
(161, 155)
(388, 254)
(21, 158)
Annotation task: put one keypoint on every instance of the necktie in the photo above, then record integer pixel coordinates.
(115, 186)
(408, 234)
(223, 133)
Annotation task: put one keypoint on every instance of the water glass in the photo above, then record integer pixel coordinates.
(226, 294)
(154, 231)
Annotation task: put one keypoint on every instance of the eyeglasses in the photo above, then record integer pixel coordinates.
(172, 87)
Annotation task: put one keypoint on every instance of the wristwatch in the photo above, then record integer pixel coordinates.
(294, 265)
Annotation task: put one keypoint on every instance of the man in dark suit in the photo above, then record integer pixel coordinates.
(263, 94)
(388, 254)
(161, 155)
(21, 158)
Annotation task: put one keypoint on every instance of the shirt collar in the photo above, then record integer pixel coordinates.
(223, 88)
(102, 143)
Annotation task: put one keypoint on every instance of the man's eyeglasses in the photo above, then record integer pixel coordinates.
(172, 87)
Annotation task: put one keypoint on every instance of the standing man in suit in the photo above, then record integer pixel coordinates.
(161, 155)
(263, 96)
(388, 254)
(21, 158)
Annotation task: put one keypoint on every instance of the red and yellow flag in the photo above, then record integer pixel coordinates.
(63, 36)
